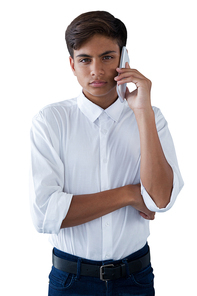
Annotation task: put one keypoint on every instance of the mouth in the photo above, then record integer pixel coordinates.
(98, 83)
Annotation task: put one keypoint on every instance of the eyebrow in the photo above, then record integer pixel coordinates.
(89, 56)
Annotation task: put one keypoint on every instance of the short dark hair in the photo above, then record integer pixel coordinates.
(90, 23)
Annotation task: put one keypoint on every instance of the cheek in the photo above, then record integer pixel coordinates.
(113, 73)
(113, 68)
(80, 80)
(82, 75)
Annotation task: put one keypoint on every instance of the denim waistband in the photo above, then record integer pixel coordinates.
(74, 258)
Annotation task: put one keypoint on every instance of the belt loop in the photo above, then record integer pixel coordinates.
(78, 268)
(127, 267)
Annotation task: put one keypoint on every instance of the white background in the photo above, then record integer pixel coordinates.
(34, 72)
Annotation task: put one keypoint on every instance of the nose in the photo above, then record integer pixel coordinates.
(96, 69)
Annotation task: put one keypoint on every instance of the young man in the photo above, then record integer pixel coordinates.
(101, 169)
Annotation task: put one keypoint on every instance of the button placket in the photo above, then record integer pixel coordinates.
(105, 123)
(103, 151)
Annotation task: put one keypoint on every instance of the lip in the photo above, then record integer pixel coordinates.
(98, 83)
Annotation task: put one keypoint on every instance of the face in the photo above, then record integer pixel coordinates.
(95, 65)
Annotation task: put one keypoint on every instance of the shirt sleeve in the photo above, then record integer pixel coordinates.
(170, 154)
(49, 203)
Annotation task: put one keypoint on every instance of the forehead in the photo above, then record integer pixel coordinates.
(97, 45)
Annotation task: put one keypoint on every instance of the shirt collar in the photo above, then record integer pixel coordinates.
(114, 111)
(93, 111)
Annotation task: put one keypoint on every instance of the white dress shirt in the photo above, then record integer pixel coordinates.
(79, 148)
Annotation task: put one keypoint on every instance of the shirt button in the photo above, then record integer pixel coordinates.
(104, 131)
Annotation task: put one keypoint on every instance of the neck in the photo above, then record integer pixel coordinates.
(103, 101)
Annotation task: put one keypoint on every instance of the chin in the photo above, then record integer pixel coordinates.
(99, 92)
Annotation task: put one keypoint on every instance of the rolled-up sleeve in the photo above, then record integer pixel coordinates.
(49, 203)
(170, 155)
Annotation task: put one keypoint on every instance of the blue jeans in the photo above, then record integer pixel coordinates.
(62, 283)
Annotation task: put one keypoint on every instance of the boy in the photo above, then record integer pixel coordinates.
(101, 169)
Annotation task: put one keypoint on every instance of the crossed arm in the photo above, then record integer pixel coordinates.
(85, 208)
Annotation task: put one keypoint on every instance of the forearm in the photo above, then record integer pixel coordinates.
(85, 208)
(155, 172)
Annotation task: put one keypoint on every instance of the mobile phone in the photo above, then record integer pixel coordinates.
(121, 89)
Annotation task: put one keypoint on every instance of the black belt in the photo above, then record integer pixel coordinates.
(104, 272)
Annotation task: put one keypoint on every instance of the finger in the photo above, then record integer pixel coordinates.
(143, 215)
(128, 73)
(126, 69)
(129, 79)
(132, 71)
(147, 217)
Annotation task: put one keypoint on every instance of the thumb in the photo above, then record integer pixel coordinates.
(127, 65)
(127, 93)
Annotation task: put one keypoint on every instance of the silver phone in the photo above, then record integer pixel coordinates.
(121, 89)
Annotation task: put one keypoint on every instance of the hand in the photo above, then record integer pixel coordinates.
(136, 201)
(140, 97)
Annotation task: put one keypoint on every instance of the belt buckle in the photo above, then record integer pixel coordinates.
(102, 273)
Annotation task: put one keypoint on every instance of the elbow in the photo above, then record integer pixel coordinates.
(163, 200)
(162, 204)
(46, 228)
(37, 225)
(42, 222)
(163, 197)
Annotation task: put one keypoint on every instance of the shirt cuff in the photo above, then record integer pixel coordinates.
(57, 210)
(150, 204)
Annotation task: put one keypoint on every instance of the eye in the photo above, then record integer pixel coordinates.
(85, 61)
(106, 58)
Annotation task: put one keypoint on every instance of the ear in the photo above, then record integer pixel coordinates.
(72, 65)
